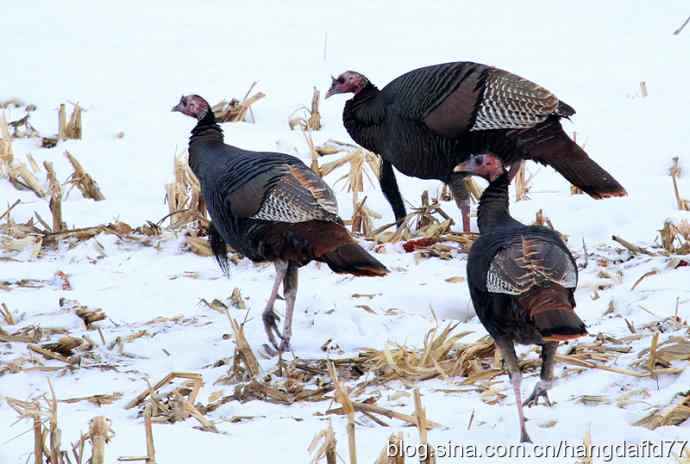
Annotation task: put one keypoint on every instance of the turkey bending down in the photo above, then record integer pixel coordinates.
(428, 120)
(522, 280)
(269, 207)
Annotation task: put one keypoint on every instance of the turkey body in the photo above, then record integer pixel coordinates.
(234, 183)
(517, 277)
(428, 120)
(272, 207)
(522, 281)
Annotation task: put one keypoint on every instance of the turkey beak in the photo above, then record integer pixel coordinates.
(180, 105)
(334, 88)
(463, 167)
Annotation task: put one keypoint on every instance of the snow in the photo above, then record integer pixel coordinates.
(127, 64)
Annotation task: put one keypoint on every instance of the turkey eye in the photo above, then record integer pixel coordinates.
(341, 80)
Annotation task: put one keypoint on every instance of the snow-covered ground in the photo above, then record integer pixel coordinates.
(128, 62)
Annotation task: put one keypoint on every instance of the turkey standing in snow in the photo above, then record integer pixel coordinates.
(521, 279)
(428, 120)
(269, 207)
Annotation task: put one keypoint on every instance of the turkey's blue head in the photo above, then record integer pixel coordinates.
(193, 106)
(347, 82)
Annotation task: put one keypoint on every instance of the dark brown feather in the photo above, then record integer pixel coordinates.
(455, 114)
(550, 145)
(553, 314)
(246, 200)
(324, 241)
(530, 262)
(353, 259)
(299, 195)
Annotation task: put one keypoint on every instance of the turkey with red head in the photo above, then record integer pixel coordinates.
(428, 120)
(269, 207)
(522, 281)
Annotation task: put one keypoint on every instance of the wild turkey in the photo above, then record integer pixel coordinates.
(521, 279)
(428, 120)
(269, 207)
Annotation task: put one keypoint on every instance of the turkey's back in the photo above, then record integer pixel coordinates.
(417, 93)
(234, 184)
(516, 271)
(409, 143)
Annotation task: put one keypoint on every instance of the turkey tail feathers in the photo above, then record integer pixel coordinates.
(219, 248)
(552, 146)
(564, 110)
(353, 259)
(553, 313)
(585, 174)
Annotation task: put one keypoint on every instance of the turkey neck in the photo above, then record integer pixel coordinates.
(364, 108)
(206, 132)
(493, 212)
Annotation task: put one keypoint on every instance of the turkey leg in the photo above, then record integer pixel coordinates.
(290, 282)
(462, 198)
(548, 354)
(269, 316)
(389, 187)
(508, 351)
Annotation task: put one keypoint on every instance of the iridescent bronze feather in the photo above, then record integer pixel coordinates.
(529, 263)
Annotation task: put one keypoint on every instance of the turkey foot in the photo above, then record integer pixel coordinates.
(548, 353)
(270, 319)
(284, 346)
(269, 316)
(290, 282)
(541, 390)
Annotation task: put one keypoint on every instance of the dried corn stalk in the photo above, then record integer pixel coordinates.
(313, 154)
(185, 202)
(310, 119)
(83, 180)
(73, 128)
(342, 397)
(32, 163)
(683, 204)
(394, 452)
(28, 242)
(22, 178)
(55, 197)
(235, 110)
(522, 183)
(359, 160)
(99, 434)
(62, 122)
(362, 218)
(326, 442)
(363, 163)
(42, 412)
(587, 444)
(22, 128)
(426, 455)
(421, 222)
(6, 155)
(473, 188)
(674, 414)
(6, 314)
(675, 238)
(243, 351)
